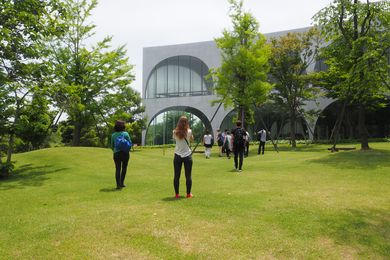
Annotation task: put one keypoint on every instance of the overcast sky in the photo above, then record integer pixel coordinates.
(146, 23)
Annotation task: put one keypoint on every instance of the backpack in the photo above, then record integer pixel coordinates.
(122, 144)
(239, 139)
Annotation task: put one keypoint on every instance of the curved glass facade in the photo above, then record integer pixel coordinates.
(178, 76)
(161, 127)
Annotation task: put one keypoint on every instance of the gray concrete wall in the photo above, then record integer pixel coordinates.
(210, 55)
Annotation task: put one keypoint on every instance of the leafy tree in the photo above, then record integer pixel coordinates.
(35, 119)
(357, 52)
(291, 55)
(23, 26)
(93, 84)
(241, 81)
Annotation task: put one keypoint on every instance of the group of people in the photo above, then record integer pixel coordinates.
(236, 141)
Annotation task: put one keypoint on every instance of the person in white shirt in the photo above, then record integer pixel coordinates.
(262, 137)
(207, 142)
(183, 155)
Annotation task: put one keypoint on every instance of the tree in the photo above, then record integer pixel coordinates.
(357, 50)
(291, 55)
(23, 26)
(241, 81)
(93, 84)
(35, 119)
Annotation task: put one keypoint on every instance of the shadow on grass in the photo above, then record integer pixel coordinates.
(358, 159)
(358, 228)
(109, 190)
(172, 198)
(28, 175)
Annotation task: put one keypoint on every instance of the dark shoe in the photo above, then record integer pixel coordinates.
(122, 185)
(118, 187)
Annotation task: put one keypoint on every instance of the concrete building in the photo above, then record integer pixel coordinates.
(174, 84)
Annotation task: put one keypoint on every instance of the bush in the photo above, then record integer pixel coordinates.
(6, 169)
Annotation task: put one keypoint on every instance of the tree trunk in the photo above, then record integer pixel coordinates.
(362, 128)
(76, 134)
(292, 129)
(11, 142)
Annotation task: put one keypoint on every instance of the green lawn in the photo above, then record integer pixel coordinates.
(308, 203)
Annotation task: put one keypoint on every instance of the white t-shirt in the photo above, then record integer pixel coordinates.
(207, 139)
(182, 148)
(263, 135)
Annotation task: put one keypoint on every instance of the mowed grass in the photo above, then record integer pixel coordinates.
(309, 203)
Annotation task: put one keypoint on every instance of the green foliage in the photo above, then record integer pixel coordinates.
(23, 65)
(34, 123)
(292, 54)
(241, 81)
(357, 53)
(93, 83)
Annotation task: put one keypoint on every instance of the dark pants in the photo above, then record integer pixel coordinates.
(177, 163)
(121, 160)
(238, 157)
(227, 150)
(261, 147)
(246, 149)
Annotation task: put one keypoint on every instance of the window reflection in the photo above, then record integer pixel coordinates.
(178, 76)
(161, 127)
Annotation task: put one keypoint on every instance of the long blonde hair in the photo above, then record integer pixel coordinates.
(182, 127)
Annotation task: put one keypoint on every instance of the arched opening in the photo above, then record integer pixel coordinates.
(377, 122)
(269, 117)
(161, 126)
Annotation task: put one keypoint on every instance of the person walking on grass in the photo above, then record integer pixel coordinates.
(262, 137)
(120, 145)
(239, 136)
(219, 141)
(208, 144)
(182, 134)
(227, 144)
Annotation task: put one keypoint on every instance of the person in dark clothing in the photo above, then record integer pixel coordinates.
(239, 136)
(121, 158)
(262, 137)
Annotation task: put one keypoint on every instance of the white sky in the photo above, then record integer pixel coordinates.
(145, 23)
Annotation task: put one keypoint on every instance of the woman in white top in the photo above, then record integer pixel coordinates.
(207, 142)
(183, 155)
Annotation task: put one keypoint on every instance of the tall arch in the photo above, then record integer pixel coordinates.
(159, 130)
(178, 76)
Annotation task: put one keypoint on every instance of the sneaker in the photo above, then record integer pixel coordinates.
(189, 195)
(239, 170)
(177, 196)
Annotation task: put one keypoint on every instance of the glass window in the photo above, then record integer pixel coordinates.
(160, 129)
(178, 76)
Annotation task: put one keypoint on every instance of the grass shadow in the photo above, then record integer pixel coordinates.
(172, 198)
(356, 159)
(28, 175)
(369, 229)
(109, 190)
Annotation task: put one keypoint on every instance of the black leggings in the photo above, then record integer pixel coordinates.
(238, 154)
(121, 160)
(177, 163)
